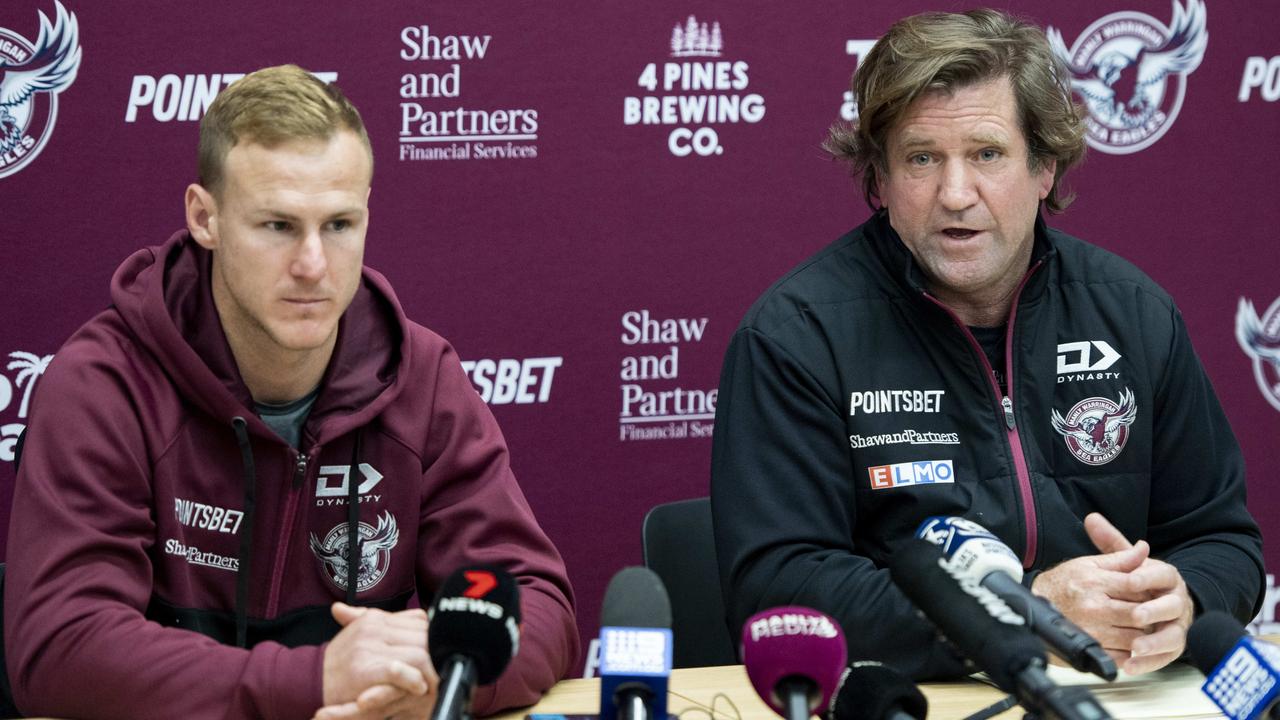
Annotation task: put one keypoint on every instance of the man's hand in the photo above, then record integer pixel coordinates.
(1165, 609)
(1136, 606)
(377, 666)
(381, 702)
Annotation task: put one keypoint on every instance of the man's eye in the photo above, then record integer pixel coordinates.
(339, 225)
(989, 154)
(277, 226)
(919, 159)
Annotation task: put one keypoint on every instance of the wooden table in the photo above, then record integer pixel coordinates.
(713, 693)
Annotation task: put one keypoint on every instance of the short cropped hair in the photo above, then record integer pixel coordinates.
(948, 51)
(269, 107)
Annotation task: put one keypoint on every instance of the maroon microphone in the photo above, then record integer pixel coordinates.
(794, 657)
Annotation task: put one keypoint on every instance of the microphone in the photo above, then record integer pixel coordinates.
(975, 553)
(794, 657)
(870, 690)
(988, 632)
(635, 647)
(1242, 673)
(473, 633)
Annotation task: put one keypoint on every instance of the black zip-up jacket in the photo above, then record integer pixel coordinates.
(853, 405)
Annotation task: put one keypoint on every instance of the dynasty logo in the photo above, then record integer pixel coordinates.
(31, 76)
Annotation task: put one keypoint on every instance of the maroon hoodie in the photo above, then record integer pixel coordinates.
(137, 488)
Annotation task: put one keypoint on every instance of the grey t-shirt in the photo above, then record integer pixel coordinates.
(287, 419)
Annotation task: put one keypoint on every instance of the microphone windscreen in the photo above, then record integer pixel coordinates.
(1211, 637)
(636, 597)
(873, 690)
(1000, 648)
(970, 549)
(476, 613)
(793, 642)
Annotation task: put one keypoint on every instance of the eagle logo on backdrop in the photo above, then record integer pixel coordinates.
(1131, 72)
(1260, 338)
(31, 76)
(1096, 428)
(373, 553)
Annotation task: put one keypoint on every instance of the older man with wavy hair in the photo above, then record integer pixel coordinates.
(921, 365)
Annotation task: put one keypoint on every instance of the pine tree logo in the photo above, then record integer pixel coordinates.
(694, 39)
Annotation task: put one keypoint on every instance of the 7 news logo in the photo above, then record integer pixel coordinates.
(482, 581)
(919, 472)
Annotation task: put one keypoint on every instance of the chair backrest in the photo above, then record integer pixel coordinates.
(680, 548)
(7, 708)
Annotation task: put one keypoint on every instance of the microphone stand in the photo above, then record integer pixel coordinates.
(454, 702)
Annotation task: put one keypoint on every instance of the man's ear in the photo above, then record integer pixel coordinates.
(880, 172)
(1045, 177)
(202, 216)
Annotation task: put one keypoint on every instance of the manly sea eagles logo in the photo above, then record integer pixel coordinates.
(1131, 71)
(374, 552)
(30, 79)
(1260, 338)
(1097, 428)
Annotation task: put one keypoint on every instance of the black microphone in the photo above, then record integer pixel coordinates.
(870, 690)
(974, 552)
(986, 630)
(1242, 673)
(635, 647)
(474, 632)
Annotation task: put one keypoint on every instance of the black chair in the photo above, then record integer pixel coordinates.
(679, 547)
(7, 708)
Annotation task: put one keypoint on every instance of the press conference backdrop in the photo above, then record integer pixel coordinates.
(585, 197)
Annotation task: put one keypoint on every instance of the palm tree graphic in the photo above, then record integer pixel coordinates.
(29, 366)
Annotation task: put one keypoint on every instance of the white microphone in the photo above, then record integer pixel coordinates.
(974, 552)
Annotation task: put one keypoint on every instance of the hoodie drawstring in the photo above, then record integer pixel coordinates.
(246, 531)
(353, 521)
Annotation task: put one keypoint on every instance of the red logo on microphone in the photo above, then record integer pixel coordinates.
(482, 581)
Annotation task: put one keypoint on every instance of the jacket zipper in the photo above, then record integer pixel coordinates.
(286, 531)
(1005, 413)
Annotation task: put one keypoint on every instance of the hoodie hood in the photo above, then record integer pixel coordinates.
(165, 297)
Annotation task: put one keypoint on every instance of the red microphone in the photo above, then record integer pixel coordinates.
(794, 657)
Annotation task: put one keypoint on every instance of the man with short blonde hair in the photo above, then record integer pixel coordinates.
(235, 478)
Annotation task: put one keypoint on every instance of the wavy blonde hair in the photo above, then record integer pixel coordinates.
(947, 51)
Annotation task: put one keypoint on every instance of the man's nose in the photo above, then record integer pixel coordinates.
(958, 190)
(310, 262)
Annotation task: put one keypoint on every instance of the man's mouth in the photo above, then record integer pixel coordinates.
(959, 233)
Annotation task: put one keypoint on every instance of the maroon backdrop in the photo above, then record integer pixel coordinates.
(589, 245)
